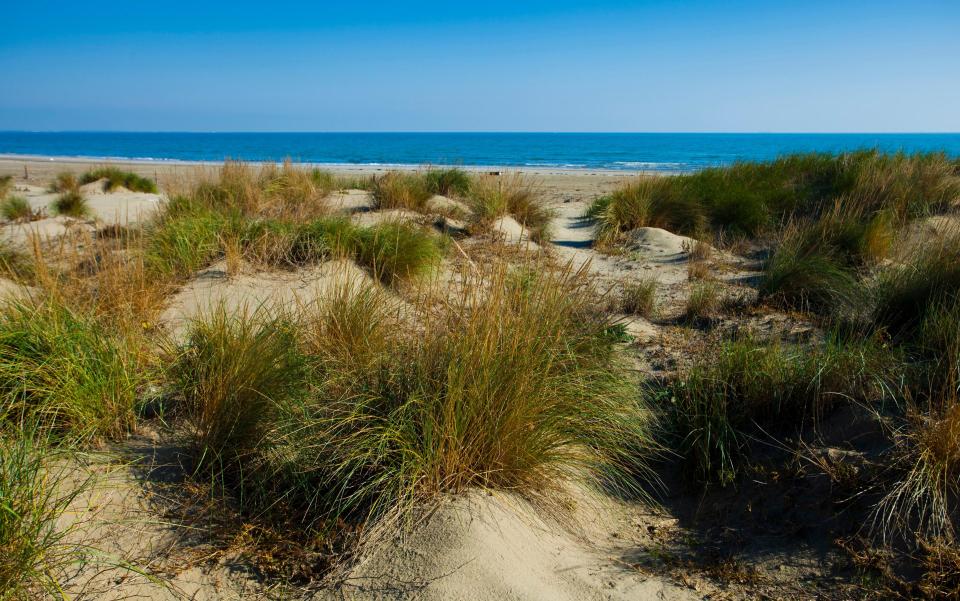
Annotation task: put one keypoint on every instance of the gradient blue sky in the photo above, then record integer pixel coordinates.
(556, 65)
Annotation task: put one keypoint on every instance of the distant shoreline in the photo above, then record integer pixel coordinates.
(336, 167)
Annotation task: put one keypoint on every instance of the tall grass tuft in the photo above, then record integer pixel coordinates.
(65, 182)
(233, 372)
(71, 204)
(396, 250)
(495, 196)
(117, 178)
(15, 208)
(66, 371)
(512, 386)
(183, 239)
(399, 190)
(639, 297)
(14, 263)
(808, 271)
(747, 384)
(34, 496)
(749, 198)
(448, 182)
(6, 184)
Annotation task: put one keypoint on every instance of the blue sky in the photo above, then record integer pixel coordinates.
(481, 66)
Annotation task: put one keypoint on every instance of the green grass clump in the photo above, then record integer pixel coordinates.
(399, 190)
(648, 202)
(71, 204)
(66, 371)
(492, 197)
(234, 371)
(747, 384)
(704, 300)
(808, 271)
(65, 182)
(639, 297)
(34, 495)
(511, 387)
(183, 240)
(116, 178)
(751, 198)
(448, 182)
(906, 294)
(6, 184)
(397, 251)
(15, 208)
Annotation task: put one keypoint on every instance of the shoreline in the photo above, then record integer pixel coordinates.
(336, 167)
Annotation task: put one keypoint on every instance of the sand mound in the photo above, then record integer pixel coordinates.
(96, 187)
(658, 241)
(269, 290)
(448, 206)
(494, 547)
(510, 231)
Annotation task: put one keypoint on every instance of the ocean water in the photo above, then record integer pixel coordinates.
(619, 151)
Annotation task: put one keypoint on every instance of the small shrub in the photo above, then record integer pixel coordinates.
(116, 178)
(16, 208)
(71, 204)
(639, 297)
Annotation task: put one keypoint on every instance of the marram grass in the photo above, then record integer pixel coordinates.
(511, 387)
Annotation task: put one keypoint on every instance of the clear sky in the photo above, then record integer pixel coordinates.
(494, 65)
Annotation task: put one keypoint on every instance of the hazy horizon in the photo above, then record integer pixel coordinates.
(564, 66)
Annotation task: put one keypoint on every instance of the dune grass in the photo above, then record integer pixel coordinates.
(397, 251)
(183, 240)
(66, 371)
(15, 208)
(744, 384)
(704, 300)
(6, 184)
(34, 496)
(117, 178)
(236, 368)
(512, 387)
(65, 182)
(71, 204)
(907, 293)
(399, 190)
(754, 198)
(514, 194)
(639, 297)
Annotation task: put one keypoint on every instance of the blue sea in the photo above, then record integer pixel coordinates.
(669, 152)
